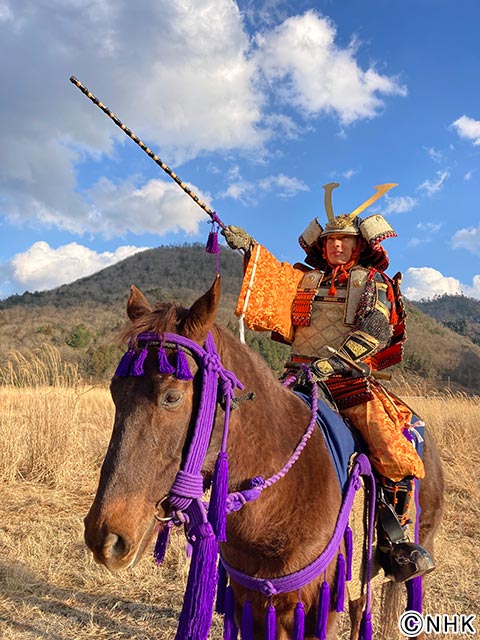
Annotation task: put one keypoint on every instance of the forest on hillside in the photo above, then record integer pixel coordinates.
(82, 320)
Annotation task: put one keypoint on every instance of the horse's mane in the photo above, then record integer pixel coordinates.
(166, 317)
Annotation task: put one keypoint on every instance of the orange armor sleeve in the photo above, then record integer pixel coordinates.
(268, 290)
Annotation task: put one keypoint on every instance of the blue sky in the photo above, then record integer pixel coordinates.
(256, 105)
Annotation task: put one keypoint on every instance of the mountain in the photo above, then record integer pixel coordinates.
(82, 319)
(458, 312)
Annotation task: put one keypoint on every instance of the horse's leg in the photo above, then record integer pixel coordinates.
(355, 611)
(431, 493)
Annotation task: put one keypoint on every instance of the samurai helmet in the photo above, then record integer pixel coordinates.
(373, 229)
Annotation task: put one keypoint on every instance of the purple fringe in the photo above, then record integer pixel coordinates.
(164, 365)
(161, 545)
(183, 370)
(349, 552)
(340, 584)
(123, 368)
(230, 629)
(366, 630)
(138, 369)
(212, 243)
(415, 594)
(323, 609)
(221, 589)
(217, 510)
(299, 622)
(196, 616)
(247, 621)
(271, 623)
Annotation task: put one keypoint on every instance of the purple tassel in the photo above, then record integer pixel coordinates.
(271, 623)
(212, 243)
(183, 370)
(123, 368)
(230, 629)
(196, 616)
(349, 551)
(161, 545)
(247, 621)
(340, 584)
(221, 589)
(138, 364)
(366, 630)
(164, 365)
(415, 594)
(217, 511)
(323, 609)
(299, 622)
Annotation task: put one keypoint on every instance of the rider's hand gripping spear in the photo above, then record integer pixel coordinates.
(148, 151)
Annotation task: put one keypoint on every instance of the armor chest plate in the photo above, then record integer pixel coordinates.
(327, 327)
(331, 319)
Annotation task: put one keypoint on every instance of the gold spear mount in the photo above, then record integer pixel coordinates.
(346, 220)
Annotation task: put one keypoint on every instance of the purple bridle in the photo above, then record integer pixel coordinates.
(206, 527)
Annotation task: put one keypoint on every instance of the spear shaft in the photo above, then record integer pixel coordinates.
(148, 151)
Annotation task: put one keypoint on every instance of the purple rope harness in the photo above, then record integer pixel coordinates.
(298, 579)
(205, 528)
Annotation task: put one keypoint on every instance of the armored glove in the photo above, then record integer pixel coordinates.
(238, 238)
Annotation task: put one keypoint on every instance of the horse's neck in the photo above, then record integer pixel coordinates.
(294, 518)
(263, 431)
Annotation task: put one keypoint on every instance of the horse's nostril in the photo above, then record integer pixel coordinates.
(114, 546)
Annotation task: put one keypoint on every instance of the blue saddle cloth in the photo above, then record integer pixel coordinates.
(343, 440)
(339, 437)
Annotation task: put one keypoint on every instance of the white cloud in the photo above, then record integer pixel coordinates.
(400, 204)
(468, 128)
(431, 187)
(425, 282)
(177, 72)
(242, 191)
(428, 231)
(467, 239)
(283, 186)
(184, 75)
(155, 207)
(434, 154)
(309, 71)
(43, 267)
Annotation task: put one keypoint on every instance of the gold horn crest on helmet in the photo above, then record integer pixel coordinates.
(373, 229)
(346, 223)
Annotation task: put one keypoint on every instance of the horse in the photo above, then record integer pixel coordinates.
(276, 535)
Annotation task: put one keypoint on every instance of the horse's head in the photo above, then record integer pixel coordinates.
(153, 414)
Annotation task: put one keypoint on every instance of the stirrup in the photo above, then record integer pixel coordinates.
(406, 560)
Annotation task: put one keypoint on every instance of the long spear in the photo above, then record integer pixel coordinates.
(148, 151)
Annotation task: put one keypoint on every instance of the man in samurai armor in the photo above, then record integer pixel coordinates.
(344, 319)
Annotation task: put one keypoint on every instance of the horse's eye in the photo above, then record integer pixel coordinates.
(172, 398)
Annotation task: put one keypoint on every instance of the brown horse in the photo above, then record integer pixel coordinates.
(284, 530)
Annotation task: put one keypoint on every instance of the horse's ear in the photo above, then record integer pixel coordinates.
(201, 314)
(137, 304)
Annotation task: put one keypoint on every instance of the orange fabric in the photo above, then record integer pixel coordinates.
(381, 421)
(269, 294)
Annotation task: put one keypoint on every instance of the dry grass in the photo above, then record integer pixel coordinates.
(53, 439)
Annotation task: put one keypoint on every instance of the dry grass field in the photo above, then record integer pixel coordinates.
(52, 442)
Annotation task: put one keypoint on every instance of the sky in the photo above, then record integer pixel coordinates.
(255, 104)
